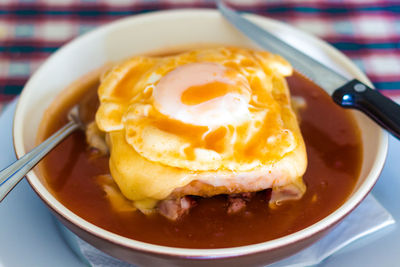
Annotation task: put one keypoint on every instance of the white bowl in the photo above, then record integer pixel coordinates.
(160, 30)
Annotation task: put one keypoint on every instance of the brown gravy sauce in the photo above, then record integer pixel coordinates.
(334, 156)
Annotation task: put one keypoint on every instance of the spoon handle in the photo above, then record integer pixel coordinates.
(381, 109)
(11, 175)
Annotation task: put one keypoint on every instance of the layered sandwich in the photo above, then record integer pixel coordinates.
(200, 123)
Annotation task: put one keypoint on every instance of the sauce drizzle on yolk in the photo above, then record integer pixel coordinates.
(197, 94)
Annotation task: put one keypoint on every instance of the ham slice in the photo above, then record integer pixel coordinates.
(174, 209)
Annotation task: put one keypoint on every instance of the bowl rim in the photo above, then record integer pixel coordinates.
(65, 213)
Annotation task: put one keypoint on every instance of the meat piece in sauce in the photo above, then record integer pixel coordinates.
(174, 209)
(293, 191)
(237, 202)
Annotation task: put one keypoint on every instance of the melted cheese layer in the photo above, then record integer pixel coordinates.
(146, 182)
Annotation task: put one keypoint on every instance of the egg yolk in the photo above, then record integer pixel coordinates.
(204, 94)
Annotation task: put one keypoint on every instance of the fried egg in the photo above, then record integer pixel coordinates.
(203, 122)
(203, 94)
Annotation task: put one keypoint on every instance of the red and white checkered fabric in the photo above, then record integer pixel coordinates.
(368, 31)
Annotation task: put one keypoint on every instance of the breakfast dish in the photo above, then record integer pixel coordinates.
(204, 143)
(201, 123)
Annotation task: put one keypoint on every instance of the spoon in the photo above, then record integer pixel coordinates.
(11, 175)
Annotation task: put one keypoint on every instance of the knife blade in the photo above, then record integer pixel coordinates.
(346, 93)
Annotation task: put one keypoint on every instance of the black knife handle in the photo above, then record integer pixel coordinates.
(381, 109)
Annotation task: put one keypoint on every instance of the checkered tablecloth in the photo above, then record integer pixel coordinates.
(368, 31)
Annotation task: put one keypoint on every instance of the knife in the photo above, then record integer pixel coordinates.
(346, 93)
